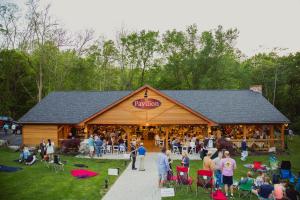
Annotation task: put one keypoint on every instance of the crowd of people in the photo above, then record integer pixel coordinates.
(46, 151)
(223, 168)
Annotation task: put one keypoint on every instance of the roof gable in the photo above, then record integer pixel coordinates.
(169, 112)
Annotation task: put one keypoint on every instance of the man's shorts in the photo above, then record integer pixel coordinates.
(162, 176)
(227, 180)
(92, 149)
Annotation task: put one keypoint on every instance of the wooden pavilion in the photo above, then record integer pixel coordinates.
(238, 113)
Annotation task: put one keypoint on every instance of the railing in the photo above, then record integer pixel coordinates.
(259, 144)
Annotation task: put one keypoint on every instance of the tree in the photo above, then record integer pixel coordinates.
(17, 90)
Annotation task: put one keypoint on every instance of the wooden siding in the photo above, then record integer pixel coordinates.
(33, 134)
(167, 113)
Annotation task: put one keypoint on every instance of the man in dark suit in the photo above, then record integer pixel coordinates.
(133, 154)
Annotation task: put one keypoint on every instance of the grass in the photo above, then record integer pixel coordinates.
(40, 182)
(293, 155)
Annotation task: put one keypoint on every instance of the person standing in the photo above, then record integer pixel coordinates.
(133, 155)
(142, 153)
(43, 149)
(98, 146)
(208, 164)
(228, 165)
(217, 168)
(91, 144)
(50, 150)
(5, 128)
(244, 153)
(163, 167)
(13, 128)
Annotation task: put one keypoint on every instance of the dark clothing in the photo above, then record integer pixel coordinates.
(186, 162)
(265, 190)
(133, 156)
(133, 162)
(244, 146)
(228, 180)
(43, 150)
(292, 194)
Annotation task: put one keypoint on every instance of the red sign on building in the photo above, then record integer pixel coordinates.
(146, 103)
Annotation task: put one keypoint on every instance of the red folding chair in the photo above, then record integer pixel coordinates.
(183, 178)
(205, 180)
(257, 166)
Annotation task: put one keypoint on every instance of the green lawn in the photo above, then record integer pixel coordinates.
(293, 156)
(40, 182)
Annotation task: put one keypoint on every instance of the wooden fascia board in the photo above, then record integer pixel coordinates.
(210, 122)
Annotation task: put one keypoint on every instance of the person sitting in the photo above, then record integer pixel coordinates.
(291, 193)
(24, 154)
(185, 160)
(279, 190)
(265, 191)
(244, 180)
(259, 179)
(31, 160)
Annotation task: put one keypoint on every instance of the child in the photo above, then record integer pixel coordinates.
(185, 160)
(259, 179)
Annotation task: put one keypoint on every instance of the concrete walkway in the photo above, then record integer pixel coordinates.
(137, 185)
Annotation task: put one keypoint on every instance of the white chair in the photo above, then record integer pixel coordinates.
(193, 148)
(108, 149)
(176, 150)
(122, 148)
(115, 148)
(161, 143)
(185, 149)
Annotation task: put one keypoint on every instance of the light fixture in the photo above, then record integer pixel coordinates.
(146, 94)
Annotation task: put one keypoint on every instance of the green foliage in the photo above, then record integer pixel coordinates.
(172, 60)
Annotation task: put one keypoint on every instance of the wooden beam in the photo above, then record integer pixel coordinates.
(208, 130)
(245, 131)
(272, 135)
(167, 138)
(282, 136)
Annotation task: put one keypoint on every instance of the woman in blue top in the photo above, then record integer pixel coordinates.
(185, 160)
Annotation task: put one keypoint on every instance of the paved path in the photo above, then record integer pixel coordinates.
(137, 185)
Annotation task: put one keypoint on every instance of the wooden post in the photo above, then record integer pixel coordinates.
(167, 138)
(282, 136)
(86, 132)
(208, 130)
(272, 135)
(245, 131)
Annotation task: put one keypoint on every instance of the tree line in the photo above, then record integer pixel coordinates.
(38, 56)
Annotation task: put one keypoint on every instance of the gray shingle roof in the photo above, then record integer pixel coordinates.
(221, 106)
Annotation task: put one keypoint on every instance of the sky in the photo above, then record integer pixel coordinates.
(263, 24)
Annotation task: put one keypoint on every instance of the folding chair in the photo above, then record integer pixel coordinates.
(57, 164)
(176, 150)
(245, 189)
(185, 149)
(273, 162)
(161, 143)
(108, 149)
(183, 178)
(115, 149)
(204, 180)
(122, 148)
(285, 171)
(193, 148)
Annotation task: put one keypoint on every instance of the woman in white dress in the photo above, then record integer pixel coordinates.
(50, 150)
